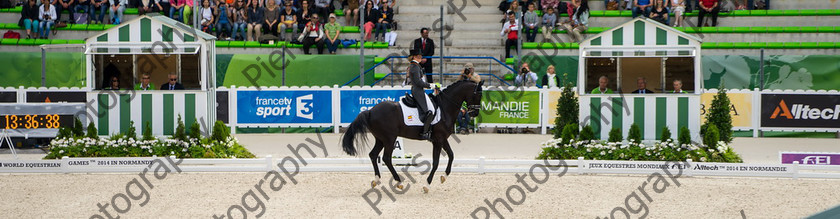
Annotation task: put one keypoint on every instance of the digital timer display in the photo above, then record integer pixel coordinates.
(49, 121)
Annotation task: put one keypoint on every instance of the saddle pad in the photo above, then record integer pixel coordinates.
(411, 116)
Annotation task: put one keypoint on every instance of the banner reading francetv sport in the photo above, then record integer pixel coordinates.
(800, 110)
(284, 107)
(355, 101)
(510, 107)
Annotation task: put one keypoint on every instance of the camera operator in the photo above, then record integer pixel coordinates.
(526, 78)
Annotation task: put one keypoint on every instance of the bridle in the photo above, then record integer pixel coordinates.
(470, 108)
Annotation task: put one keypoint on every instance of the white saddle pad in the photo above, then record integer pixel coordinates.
(412, 118)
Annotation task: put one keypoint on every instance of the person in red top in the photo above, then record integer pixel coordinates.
(512, 30)
(709, 7)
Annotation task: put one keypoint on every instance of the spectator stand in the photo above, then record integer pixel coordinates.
(159, 46)
(641, 48)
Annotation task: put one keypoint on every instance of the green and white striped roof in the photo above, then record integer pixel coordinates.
(147, 30)
(640, 37)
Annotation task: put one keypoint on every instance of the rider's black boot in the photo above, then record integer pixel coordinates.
(427, 132)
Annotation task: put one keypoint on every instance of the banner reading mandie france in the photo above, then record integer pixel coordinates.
(510, 107)
(284, 107)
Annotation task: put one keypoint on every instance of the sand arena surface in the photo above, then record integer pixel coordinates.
(339, 195)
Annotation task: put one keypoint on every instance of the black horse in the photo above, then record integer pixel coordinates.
(384, 122)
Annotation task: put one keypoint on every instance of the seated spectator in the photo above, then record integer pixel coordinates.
(240, 20)
(176, 9)
(162, 6)
(641, 82)
(47, 17)
(659, 13)
(255, 20)
(602, 88)
(532, 23)
(510, 31)
(385, 20)
(548, 4)
(641, 7)
(145, 83)
(188, 9)
(114, 85)
(29, 19)
(550, 79)
(288, 20)
(62, 5)
(740, 4)
(549, 20)
(371, 19)
(351, 13)
(580, 22)
(303, 15)
(678, 87)
(271, 19)
(504, 5)
(514, 8)
(313, 34)
(711, 7)
(332, 30)
(678, 7)
(173, 81)
(146, 6)
(223, 20)
(526, 78)
(81, 5)
(117, 7)
(205, 13)
(323, 8)
(96, 11)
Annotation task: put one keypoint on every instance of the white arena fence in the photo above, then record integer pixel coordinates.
(479, 166)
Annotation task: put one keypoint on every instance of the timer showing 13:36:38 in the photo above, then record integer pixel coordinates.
(49, 121)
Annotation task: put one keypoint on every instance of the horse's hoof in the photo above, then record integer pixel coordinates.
(373, 183)
(425, 190)
(400, 186)
(442, 179)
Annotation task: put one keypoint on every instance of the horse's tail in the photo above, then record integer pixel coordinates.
(359, 126)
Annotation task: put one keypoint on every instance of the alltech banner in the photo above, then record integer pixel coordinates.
(740, 110)
(510, 107)
(800, 110)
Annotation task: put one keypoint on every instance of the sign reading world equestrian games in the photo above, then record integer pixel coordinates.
(284, 107)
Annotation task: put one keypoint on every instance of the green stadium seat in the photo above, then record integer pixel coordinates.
(252, 44)
(380, 45)
(13, 26)
(108, 26)
(825, 12)
(826, 29)
(775, 12)
(725, 45)
(75, 41)
(741, 30)
(758, 12)
(690, 14)
(236, 44)
(95, 27)
(596, 30)
(626, 13)
(2, 25)
(268, 45)
(338, 12)
(41, 42)
(808, 29)
(725, 30)
(758, 29)
(680, 28)
(539, 12)
(708, 29)
(825, 45)
(130, 11)
(792, 29)
(280, 44)
(378, 76)
(349, 29)
(509, 77)
(740, 45)
(58, 41)
(26, 42)
(17, 9)
(708, 45)
(295, 45)
(81, 27)
(809, 45)
(740, 13)
(792, 45)
(612, 13)
(775, 45)
(758, 45)
(692, 30)
(596, 13)
(775, 29)
(529, 45)
(15, 41)
(808, 12)
(378, 59)
(511, 61)
(790, 12)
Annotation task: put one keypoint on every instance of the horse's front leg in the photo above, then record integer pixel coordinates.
(435, 161)
(448, 150)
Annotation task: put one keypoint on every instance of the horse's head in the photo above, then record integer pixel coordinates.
(474, 100)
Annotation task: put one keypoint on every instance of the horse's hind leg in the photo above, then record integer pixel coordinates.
(374, 153)
(435, 161)
(386, 157)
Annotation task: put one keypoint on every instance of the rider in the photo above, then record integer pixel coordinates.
(416, 78)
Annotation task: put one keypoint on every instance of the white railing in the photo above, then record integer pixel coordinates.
(479, 166)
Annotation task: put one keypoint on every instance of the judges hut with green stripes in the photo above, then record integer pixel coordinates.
(157, 46)
(640, 53)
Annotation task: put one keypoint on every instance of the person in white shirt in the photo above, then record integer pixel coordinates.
(550, 79)
(526, 78)
(511, 29)
(47, 15)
